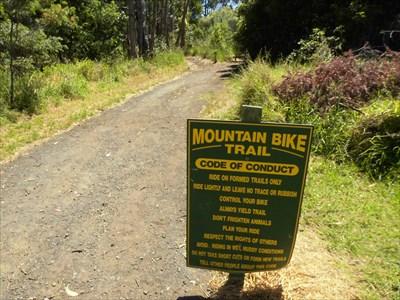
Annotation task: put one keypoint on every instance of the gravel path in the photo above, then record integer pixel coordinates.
(101, 208)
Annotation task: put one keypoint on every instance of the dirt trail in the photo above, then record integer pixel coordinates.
(100, 209)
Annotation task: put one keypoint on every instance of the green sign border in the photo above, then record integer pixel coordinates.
(188, 186)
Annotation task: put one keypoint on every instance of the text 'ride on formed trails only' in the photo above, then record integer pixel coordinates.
(245, 188)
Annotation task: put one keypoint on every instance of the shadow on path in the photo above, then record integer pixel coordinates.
(232, 290)
(231, 70)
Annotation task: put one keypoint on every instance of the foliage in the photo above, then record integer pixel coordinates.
(29, 50)
(63, 81)
(356, 215)
(97, 86)
(94, 30)
(102, 30)
(276, 26)
(317, 48)
(4, 85)
(332, 131)
(26, 96)
(344, 81)
(168, 59)
(60, 82)
(212, 37)
(341, 131)
(61, 21)
(375, 144)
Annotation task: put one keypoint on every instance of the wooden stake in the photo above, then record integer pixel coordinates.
(248, 114)
(251, 114)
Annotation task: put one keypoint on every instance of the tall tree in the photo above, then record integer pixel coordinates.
(153, 19)
(143, 41)
(164, 21)
(181, 39)
(23, 49)
(276, 26)
(132, 30)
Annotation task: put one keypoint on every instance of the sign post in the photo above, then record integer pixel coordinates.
(245, 188)
(248, 114)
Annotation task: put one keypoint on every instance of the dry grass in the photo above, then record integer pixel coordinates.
(221, 103)
(312, 274)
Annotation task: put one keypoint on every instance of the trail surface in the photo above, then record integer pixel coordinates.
(101, 209)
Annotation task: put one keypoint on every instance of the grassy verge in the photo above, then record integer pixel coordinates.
(216, 55)
(356, 215)
(72, 93)
(360, 219)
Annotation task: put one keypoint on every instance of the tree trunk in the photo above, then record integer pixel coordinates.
(181, 40)
(132, 30)
(142, 28)
(164, 22)
(11, 54)
(153, 26)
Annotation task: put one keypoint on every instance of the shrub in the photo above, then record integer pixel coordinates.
(212, 36)
(342, 130)
(63, 81)
(344, 81)
(168, 59)
(4, 84)
(92, 71)
(375, 145)
(116, 70)
(26, 97)
(393, 65)
(331, 131)
(317, 48)
(26, 93)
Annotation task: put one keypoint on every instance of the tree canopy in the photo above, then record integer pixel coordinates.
(276, 26)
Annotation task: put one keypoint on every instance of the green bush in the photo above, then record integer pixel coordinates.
(168, 59)
(4, 84)
(26, 97)
(116, 70)
(375, 145)
(369, 136)
(63, 81)
(316, 49)
(255, 84)
(92, 71)
(26, 93)
(332, 131)
(212, 36)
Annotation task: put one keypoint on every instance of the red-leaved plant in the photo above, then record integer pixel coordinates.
(344, 81)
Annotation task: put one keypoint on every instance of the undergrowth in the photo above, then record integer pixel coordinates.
(212, 37)
(357, 215)
(339, 98)
(65, 94)
(344, 81)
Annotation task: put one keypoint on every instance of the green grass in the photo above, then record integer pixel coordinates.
(357, 216)
(216, 55)
(70, 93)
(360, 219)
